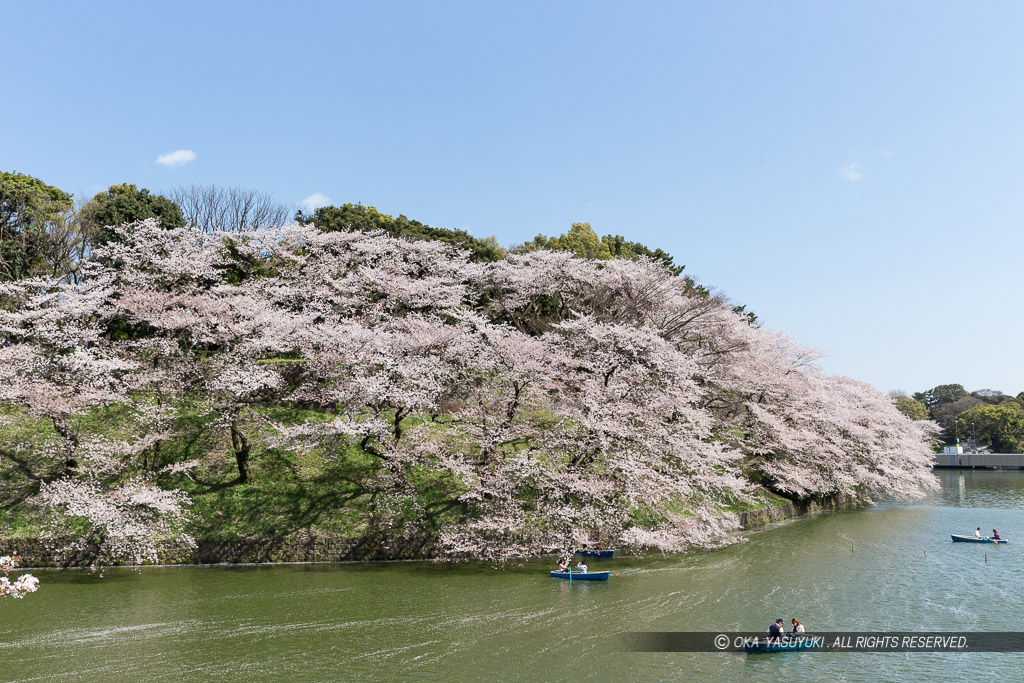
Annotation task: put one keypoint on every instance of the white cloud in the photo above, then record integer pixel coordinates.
(176, 158)
(851, 172)
(315, 200)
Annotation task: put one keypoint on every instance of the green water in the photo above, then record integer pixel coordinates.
(857, 570)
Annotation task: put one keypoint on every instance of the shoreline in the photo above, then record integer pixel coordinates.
(753, 519)
(378, 548)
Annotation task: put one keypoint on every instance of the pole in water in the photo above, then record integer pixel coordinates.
(926, 553)
(986, 558)
(853, 546)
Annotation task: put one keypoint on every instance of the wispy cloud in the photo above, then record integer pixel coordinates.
(314, 201)
(888, 154)
(851, 172)
(176, 158)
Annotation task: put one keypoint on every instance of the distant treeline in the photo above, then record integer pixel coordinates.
(986, 418)
(43, 231)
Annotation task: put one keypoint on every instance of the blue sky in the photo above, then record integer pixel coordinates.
(849, 171)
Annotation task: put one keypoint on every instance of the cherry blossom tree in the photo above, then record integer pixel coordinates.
(63, 367)
(811, 434)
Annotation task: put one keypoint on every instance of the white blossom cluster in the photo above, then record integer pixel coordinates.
(20, 587)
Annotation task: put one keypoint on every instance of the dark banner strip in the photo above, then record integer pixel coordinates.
(830, 641)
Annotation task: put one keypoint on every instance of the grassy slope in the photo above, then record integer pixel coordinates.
(288, 493)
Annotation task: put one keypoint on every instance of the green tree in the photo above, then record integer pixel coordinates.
(942, 394)
(368, 219)
(620, 247)
(584, 242)
(32, 214)
(1000, 426)
(912, 408)
(126, 204)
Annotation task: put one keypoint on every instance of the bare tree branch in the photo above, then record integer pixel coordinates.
(234, 209)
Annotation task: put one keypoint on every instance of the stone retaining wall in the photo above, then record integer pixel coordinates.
(751, 519)
(35, 553)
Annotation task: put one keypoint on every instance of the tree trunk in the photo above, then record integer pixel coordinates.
(156, 454)
(241, 446)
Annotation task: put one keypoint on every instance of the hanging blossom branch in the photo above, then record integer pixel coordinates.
(127, 522)
(20, 587)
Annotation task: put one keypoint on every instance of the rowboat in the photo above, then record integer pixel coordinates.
(975, 539)
(596, 553)
(582, 576)
(766, 645)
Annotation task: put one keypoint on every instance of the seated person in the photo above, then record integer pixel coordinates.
(582, 567)
(977, 532)
(797, 627)
(996, 536)
(775, 630)
(563, 566)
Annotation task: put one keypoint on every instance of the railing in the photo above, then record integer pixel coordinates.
(980, 460)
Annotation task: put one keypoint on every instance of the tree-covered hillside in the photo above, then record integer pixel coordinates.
(347, 380)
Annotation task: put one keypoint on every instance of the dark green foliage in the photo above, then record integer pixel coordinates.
(28, 207)
(738, 310)
(946, 415)
(944, 393)
(126, 204)
(243, 265)
(368, 219)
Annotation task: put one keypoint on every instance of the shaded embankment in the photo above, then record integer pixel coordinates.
(370, 548)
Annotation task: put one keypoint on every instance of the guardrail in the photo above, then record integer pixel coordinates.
(981, 461)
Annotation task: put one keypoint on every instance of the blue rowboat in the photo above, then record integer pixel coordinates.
(972, 539)
(581, 576)
(766, 645)
(596, 553)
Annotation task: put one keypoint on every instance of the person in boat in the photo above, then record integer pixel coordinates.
(996, 536)
(977, 532)
(582, 567)
(798, 628)
(775, 631)
(563, 566)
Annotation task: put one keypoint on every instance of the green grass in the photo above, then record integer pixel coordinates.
(290, 492)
